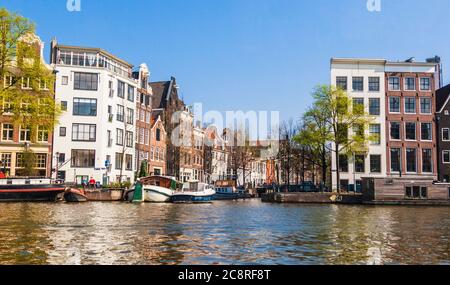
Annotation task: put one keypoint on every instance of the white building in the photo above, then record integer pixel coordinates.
(95, 137)
(364, 81)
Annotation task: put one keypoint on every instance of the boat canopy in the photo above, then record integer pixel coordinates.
(162, 181)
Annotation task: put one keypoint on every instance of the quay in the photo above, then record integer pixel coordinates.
(312, 198)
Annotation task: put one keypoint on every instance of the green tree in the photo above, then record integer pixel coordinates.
(28, 163)
(26, 89)
(334, 123)
(143, 171)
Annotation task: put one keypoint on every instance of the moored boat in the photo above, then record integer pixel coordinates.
(155, 189)
(29, 190)
(194, 192)
(225, 190)
(75, 195)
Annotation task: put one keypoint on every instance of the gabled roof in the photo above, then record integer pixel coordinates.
(160, 90)
(442, 98)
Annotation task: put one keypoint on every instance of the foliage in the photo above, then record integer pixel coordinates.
(26, 89)
(28, 162)
(143, 172)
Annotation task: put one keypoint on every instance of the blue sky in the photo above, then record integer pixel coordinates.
(246, 54)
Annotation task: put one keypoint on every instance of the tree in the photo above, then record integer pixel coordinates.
(143, 171)
(28, 162)
(336, 118)
(27, 94)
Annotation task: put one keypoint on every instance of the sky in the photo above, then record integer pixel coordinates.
(249, 55)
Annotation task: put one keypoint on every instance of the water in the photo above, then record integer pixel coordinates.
(246, 232)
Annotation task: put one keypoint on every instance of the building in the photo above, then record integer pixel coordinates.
(215, 157)
(95, 137)
(158, 143)
(16, 138)
(443, 133)
(183, 137)
(400, 96)
(165, 99)
(143, 117)
(198, 154)
(364, 81)
(410, 125)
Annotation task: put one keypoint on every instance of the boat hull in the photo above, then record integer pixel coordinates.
(186, 198)
(30, 193)
(226, 196)
(157, 195)
(74, 196)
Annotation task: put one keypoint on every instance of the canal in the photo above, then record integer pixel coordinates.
(244, 232)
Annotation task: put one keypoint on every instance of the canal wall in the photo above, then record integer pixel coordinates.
(312, 198)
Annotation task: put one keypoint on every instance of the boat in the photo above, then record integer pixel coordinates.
(194, 192)
(73, 195)
(226, 190)
(104, 194)
(155, 189)
(30, 190)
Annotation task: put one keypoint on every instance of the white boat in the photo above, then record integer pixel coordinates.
(155, 189)
(194, 192)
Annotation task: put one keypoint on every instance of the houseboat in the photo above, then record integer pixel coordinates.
(226, 190)
(155, 189)
(30, 190)
(194, 192)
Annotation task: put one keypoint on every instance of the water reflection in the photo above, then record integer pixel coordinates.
(222, 233)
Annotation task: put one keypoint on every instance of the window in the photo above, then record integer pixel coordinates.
(109, 137)
(119, 137)
(147, 137)
(360, 163)
(62, 131)
(446, 134)
(85, 81)
(425, 84)
(26, 83)
(395, 131)
(129, 139)
(65, 80)
(83, 158)
(426, 132)
(446, 156)
(394, 83)
(65, 58)
(425, 105)
(358, 105)
(120, 113)
(25, 134)
(130, 116)
(374, 84)
(427, 163)
(84, 107)
(6, 160)
(119, 161)
(341, 82)
(410, 131)
(42, 134)
(62, 158)
(374, 106)
(129, 162)
(130, 93)
(78, 59)
(394, 105)
(158, 135)
(84, 132)
(8, 132)
(358, 83)
(410, 105)
(64, 105)
(120, 89)
(344, 185)
(395, 159)
(343, 163)
(416, 192)
(375, 133)
(410, 84)
(375, 163)
(411, 160)
(41, 160)
(43, 84)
